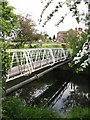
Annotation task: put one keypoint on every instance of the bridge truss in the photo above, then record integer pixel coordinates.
(26, 61)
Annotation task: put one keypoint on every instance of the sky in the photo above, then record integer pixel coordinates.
(35, 7)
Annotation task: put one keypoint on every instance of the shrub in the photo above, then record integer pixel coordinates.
(14, 108)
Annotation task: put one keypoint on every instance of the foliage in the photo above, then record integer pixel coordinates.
(9, 20)
(82, 60)
(14, 108)
(46, 36)
(35, 45)
(27, 32)
(47, 45)
(15, 46)
(73, 8)
(38, 37)
(73, 5)
(79, 112)
(9, 23)
(76, 40)
(54, 37)
(26, 29)
(5, 62)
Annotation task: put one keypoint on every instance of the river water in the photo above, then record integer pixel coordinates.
(59, 89)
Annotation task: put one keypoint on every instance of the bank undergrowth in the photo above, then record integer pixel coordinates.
(14, 108)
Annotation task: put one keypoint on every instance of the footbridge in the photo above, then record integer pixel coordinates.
(26, 61)
(27, 65)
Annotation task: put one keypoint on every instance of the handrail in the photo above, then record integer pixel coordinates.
(26, 61)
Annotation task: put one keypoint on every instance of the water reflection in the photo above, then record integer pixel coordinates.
(72, 96)
(75, 93)
(31, 91)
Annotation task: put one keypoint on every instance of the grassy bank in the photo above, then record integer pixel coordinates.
(35, 45)
(14, 108)
(79, 112)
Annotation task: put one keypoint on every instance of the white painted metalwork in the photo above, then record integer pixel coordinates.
(26, 61)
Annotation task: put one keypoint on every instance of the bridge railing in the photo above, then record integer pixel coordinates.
(26, 61)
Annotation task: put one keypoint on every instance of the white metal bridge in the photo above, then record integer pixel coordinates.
(26, 61)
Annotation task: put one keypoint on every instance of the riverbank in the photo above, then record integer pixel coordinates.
(14, 108)
(74, 94)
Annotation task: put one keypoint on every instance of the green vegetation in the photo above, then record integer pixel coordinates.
(33, 45)
(9, 20)
(27, 32)
(46, 45)
(9, 23)
(14, 108)
(76, 40)
(37, 45)
(79, 112)
(73, 7)
(51, 45)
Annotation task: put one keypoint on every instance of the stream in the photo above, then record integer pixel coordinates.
(59, 89)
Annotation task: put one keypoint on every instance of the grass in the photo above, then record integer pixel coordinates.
(51, 45)
(14, 107)
(37, 45)
(79, 112)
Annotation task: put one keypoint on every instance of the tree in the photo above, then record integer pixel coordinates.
(26, 29)
(46, 36)
(76, 39)
(50, 38)
(73, 7)
(71, 4)
(53, 37)
(38, 36)
(9, 22)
